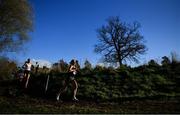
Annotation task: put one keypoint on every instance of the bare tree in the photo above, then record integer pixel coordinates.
(119, 41)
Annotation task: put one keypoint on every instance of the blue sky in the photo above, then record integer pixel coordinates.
(66, 29)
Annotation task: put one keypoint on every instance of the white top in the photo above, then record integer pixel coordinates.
(73, 69)
(28, 66)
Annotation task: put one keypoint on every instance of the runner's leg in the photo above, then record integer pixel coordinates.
(27, 79)
(75, 87)
(62, 90)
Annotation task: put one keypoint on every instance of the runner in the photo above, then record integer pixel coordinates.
(70, 79)
(27, 69)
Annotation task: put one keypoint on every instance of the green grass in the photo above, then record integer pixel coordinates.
(25, 104)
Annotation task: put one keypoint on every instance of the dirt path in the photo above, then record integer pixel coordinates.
(27, 104)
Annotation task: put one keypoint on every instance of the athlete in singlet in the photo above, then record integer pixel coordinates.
(70, 79)
(27, 69)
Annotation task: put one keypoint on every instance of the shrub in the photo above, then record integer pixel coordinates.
(7, 68)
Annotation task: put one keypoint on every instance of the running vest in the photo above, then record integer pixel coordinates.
(28, 66)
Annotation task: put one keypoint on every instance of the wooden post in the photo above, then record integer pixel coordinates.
(47, 82)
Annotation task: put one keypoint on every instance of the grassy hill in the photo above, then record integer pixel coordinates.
(150, 88)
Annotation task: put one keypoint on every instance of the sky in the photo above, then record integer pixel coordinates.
(66, 29)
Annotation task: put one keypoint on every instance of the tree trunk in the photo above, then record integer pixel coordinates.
(120, 63)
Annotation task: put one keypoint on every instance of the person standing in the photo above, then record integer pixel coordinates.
(36, 68)
(72, 70)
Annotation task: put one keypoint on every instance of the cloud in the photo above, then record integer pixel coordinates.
(42, 63)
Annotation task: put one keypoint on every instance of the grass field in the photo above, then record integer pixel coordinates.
(26, 104)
